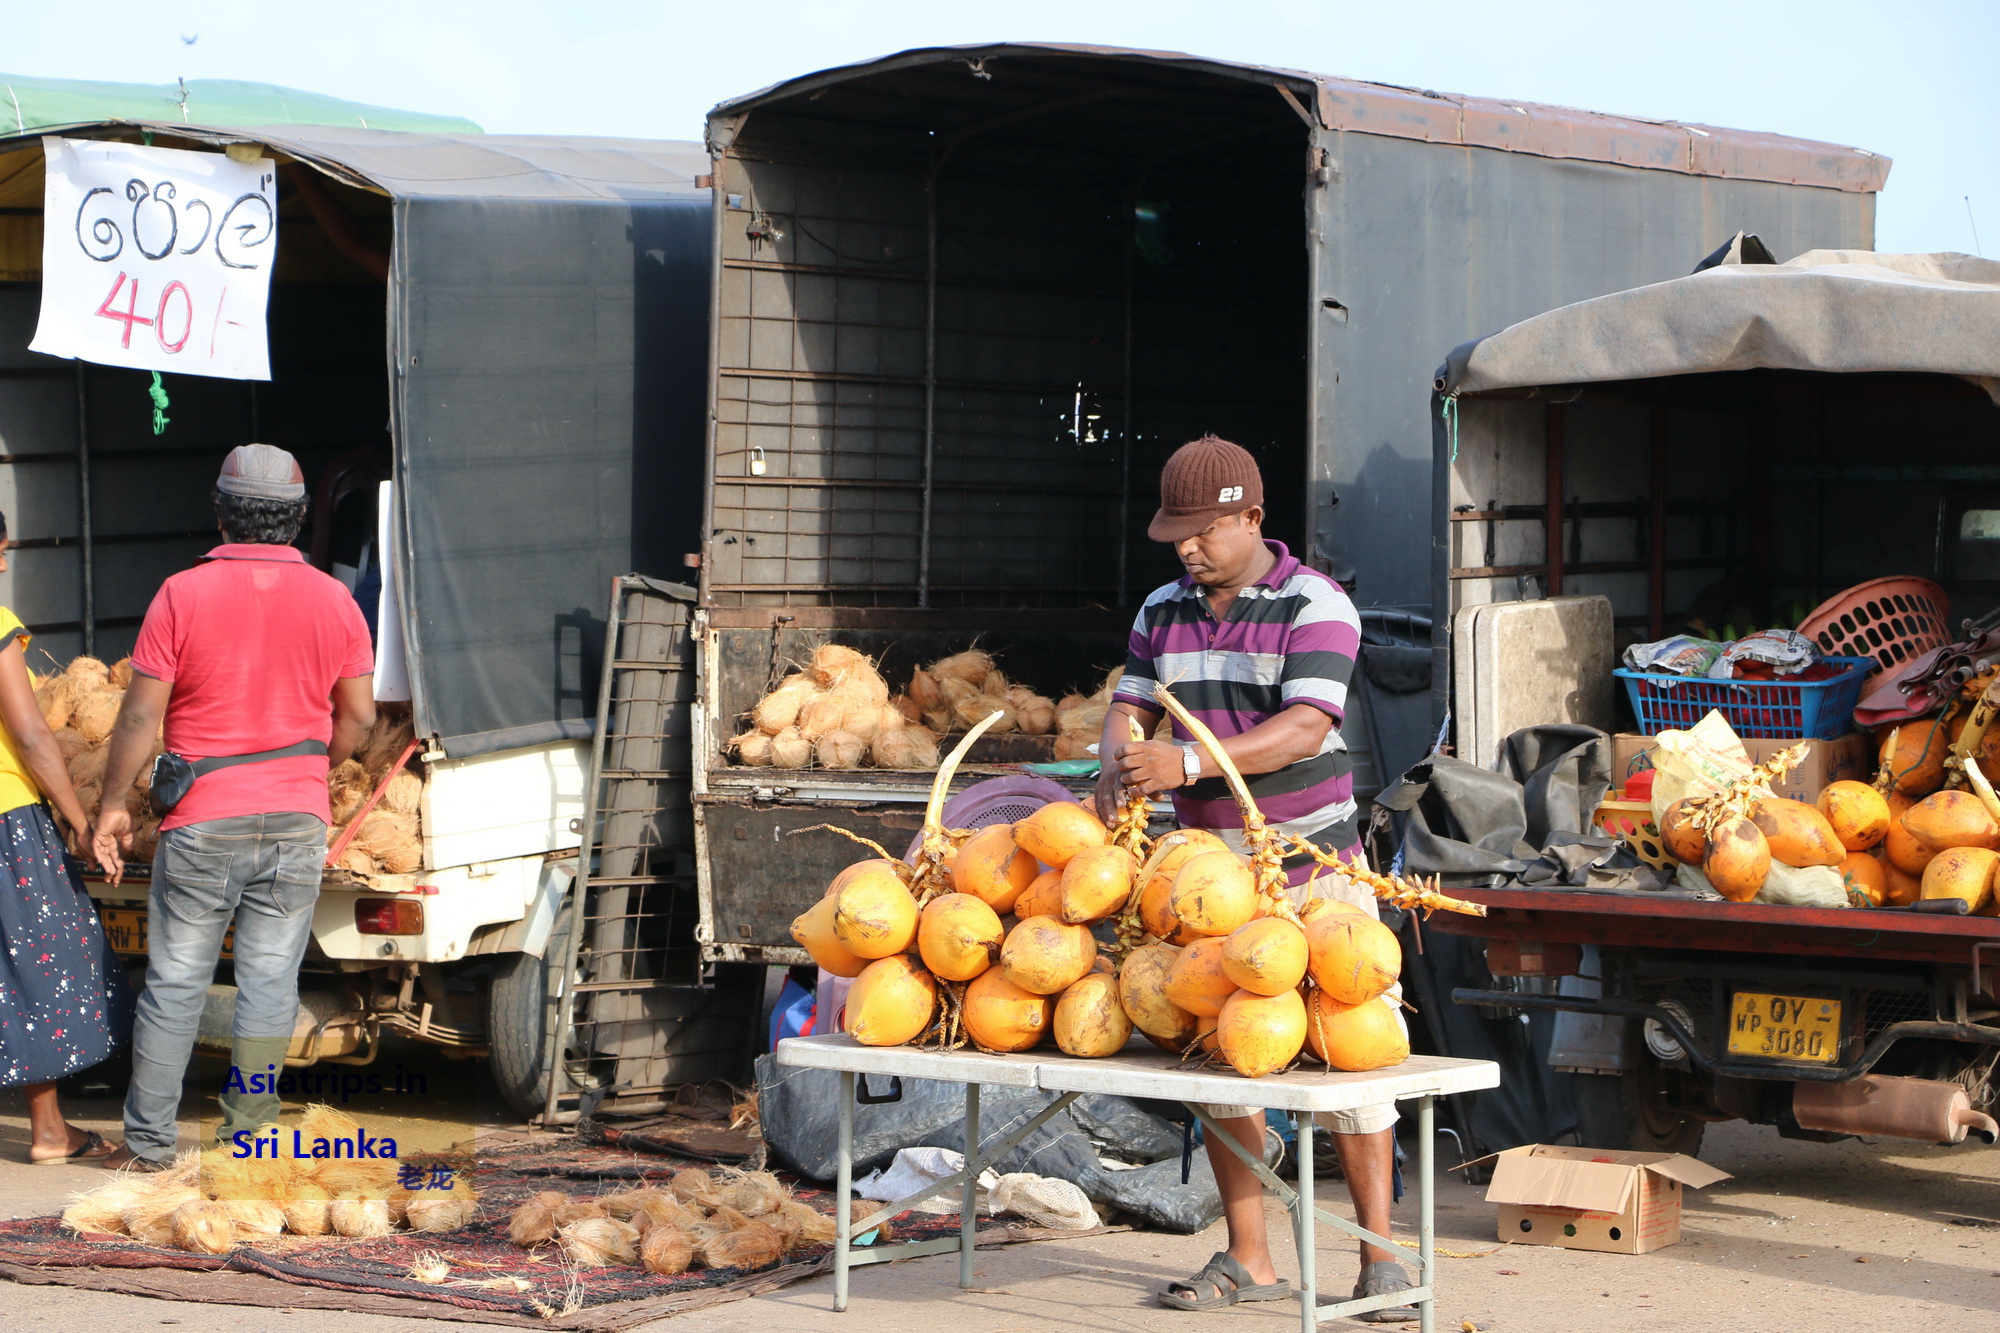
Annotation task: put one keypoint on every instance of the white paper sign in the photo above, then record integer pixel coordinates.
(157, 259)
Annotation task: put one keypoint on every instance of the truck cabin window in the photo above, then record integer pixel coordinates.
(1979, 545)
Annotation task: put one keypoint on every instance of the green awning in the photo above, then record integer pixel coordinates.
(28, 105)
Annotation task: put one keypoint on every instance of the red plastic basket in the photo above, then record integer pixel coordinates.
(1891, 620)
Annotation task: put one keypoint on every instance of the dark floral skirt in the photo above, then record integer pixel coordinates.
(64, 1002)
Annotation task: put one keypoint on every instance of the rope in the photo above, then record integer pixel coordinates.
(158, 393)
(1448, 409)
(1453, 1254)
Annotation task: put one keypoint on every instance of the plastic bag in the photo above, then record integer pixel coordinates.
(1681, 655)
(1056, 1204)
(915, 1168)
(1697, 762)
(1767, 654)
(1802, 886)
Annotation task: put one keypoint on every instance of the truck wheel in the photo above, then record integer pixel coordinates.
(1632, 1112)
(516, 1017)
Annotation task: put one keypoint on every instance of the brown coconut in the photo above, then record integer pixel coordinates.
(924, 691)
(347, 786)
(695, 1186)
(754, 1193)
(1033, 713)
(254, 1218)
(599, 1242)
(780, 708)
(790, 749)
(204, 1226)
(753, 748)
(121, 673)
(88, 674)
(402, 794)
(665, 1250)
(87, 769)
(969, 712)
(386, 740)
(912, 747)
(392, 840)
(971, 666)
(833, 663)
(808, 1224)
(906, 708)
(70, 743)
(305, 1205)
(359, 1217)
(659, 1209)
(149, 1219)
(441, 1210)
(840, 750)
(750, 1244)
(996, 685)
(56, 697)
(95, 713)
(534, 1223)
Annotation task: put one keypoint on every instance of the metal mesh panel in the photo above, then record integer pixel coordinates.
(636, 1014)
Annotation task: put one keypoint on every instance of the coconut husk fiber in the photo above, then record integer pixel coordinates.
(754, 1193)
(694, 1186)
(103, 1209)
(837, 667)
(1033, 713)
(347, 786)
(534, 1223)
(255, 1217)
(305, 1207)
(996, 684)
(359, 1217)
(386, 740)
(747, 1244)
(149, 1219)
(906, 708)
(87, 769)
(441, 1210)
(657, 1209)
(121, 673)
(1075, 745)
(976, 708)
(70, 742)
(924, 690)
(95, 713)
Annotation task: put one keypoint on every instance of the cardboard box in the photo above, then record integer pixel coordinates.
(1849, 756)
(1593, 1199)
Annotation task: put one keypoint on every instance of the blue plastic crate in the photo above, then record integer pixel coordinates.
(1754, 709)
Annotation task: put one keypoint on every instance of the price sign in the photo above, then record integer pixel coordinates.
(157, 259)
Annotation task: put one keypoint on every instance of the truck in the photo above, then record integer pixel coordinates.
(968, 299)
(487, 354)
(1755, 435)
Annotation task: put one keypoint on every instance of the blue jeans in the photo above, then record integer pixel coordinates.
(262, 870)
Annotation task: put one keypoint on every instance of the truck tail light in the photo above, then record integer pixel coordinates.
(388, 916)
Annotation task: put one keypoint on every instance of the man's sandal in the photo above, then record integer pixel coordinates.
(1226, 1281)
(1383, 1279)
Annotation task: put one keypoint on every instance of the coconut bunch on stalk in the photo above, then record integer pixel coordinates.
(835, 714)
(986, 939)
(957, 692)
(725, 1219)
(210, 1202)
(389, 839)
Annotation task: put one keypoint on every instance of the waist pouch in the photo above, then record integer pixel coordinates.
(174, 775)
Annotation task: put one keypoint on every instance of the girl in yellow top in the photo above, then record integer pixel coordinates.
(58, 1008)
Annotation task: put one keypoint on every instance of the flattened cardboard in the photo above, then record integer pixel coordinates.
(1593, 1199)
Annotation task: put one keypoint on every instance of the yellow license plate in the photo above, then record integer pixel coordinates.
(125, 927)
(1784, 1027)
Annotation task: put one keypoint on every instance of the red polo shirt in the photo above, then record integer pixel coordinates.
(252, 640)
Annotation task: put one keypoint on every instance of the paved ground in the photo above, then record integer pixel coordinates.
(1830, 1238)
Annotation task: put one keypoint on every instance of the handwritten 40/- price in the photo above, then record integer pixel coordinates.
(158, 322)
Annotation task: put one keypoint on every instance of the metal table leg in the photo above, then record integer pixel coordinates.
(843, 1191)
(1304, 1226)
(968, 1221)
(1426, 1224)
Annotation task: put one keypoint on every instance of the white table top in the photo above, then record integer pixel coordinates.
(1141, 1070)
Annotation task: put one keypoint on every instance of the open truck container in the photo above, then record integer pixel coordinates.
(967, 300)
(1750, 438)
(509, 333)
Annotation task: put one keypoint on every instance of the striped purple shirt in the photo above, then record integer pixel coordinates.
(1291, 638)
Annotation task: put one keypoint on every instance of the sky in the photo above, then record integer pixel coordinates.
(1912, 80)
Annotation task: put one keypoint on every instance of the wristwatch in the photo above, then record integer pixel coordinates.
(1190, 763)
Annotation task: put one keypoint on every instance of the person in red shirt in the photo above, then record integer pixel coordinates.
(262, 670)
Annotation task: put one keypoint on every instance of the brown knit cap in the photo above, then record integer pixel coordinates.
(1205, 479)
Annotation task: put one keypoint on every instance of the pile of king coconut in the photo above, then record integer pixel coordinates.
(838, 713)
(984, 938)
(81, 700)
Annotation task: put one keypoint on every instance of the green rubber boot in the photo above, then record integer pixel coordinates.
(254, 1058)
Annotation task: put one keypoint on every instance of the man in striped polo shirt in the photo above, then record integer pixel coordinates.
(1261, 649)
